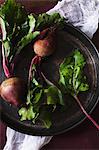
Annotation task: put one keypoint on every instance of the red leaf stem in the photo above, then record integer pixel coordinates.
(5, 62)
(84, 111)
(35, 60)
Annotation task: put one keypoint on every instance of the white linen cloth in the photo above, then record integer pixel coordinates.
(83, 14)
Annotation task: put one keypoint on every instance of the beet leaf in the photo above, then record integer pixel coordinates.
(42, 98)
(72, 79)
(17, 27)
(45, 20)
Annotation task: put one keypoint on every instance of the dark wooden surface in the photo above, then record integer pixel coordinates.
(83, 137)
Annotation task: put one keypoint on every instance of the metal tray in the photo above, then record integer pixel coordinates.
(68, 40)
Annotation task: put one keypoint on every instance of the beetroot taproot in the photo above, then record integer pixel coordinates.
(46, 44)
(13, 90)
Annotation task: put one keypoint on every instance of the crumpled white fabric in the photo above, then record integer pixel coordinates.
(83, 14)
(20, 141)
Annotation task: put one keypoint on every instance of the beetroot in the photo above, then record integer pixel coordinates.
(13, 90)
(46, 44)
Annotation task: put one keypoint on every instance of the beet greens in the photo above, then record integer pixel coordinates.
(42, 99)
(72, 79)
(17, 27)
(18, 30)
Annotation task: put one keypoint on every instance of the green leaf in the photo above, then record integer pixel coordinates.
(62, 80)
(7, 46)
(66, 75)
(35, 118)
(23, 113)
(32, 22)
(77, 76)
(38, 96)
(54, 96)
(34, 95)
(79, 59)
(29, 96)
(13, 13)
(35, 82)
(27, 113)
(12, 19)
(83, 87)
(45, 20)
(47, 121)
(18, 27)
(71, 73)
(30, 113)
(3, 27)
(46, 116)
(26, 40)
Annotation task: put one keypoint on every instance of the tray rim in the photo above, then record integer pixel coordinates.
(20, 127)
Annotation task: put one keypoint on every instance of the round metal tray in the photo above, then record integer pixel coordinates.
(68, 40)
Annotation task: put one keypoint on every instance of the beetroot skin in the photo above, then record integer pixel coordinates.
(13, 90)
(46, 45)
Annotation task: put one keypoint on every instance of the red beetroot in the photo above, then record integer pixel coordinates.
(13, 90)
(46, 45)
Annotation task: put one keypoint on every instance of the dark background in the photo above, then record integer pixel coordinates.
(83, 137)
